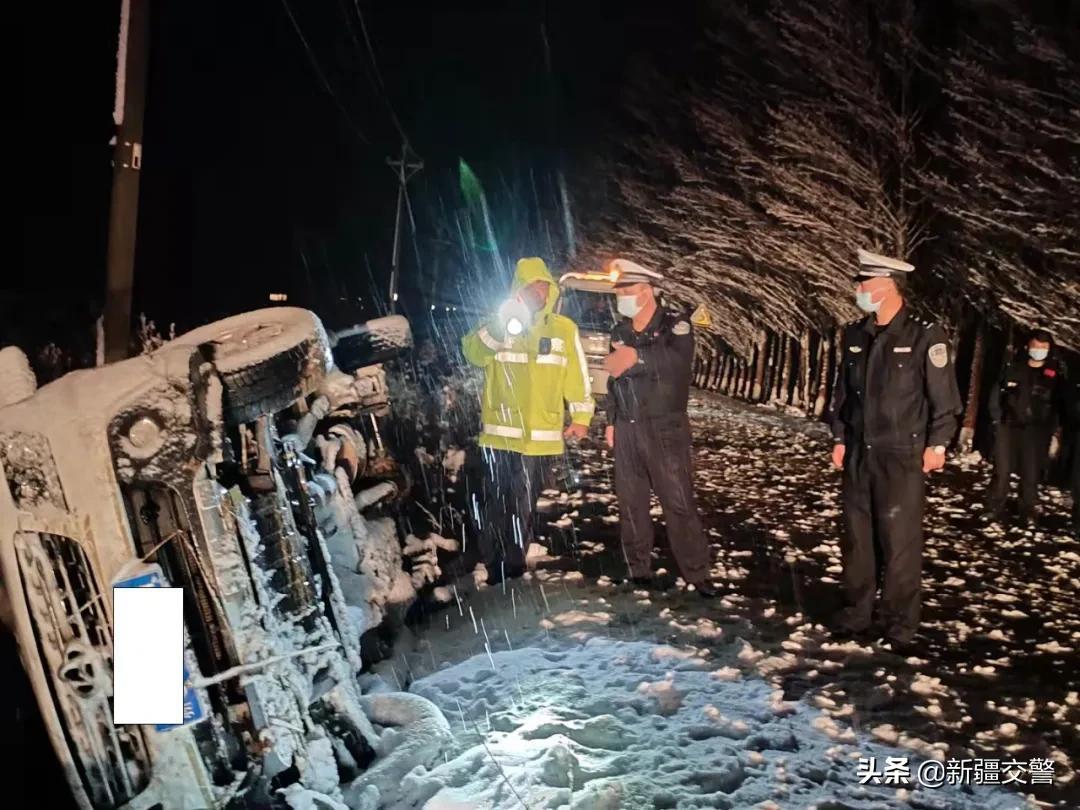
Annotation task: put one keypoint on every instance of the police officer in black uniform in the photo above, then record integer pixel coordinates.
(650, 368)
(895, 408)
(1026, 408)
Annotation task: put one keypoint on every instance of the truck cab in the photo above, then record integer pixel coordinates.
(588, 299)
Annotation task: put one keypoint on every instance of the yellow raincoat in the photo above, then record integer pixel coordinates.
(524, 390)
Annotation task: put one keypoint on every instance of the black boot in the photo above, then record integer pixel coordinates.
(706, 590)
(498, 572)
(843, 633)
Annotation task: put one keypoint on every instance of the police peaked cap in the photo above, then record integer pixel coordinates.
(632, 273)
(874, 265)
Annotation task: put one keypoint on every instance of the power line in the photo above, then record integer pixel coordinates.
(378, 73)
(321, 75)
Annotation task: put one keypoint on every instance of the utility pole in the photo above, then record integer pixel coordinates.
(128, 112)
(404, 169)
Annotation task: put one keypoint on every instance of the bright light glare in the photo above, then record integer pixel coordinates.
(514, 327)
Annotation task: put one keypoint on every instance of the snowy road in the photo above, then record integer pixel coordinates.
(996, 677)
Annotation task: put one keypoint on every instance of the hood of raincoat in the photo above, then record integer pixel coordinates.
(530, 270)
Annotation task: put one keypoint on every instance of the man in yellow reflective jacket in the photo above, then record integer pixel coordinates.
(533, 363)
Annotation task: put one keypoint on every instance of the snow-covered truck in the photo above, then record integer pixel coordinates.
(588, 299)
(222, 463)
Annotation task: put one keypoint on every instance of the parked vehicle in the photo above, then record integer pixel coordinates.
(220, 463)
(588, 299)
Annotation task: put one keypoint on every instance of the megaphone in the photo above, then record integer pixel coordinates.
(513, 315)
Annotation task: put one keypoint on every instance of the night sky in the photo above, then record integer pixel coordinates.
(254, 179)
(257, 180)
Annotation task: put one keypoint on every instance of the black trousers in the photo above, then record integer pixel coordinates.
(1074, 481)
(511, 484)
(883, 498)
(655, 456)
(1021, 449)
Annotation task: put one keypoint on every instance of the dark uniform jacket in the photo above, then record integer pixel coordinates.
(896, 386)
(1072, 402)
(1029, 397)
(659, 384)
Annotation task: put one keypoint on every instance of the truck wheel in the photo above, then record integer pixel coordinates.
(267, 359)
(371, 342)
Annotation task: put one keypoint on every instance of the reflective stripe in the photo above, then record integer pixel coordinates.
(506, 431)
(546, 435)
(550, 360)
(512, 357)
(582, 407)
(583, 364)
(487, 339)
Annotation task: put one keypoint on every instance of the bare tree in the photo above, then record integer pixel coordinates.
(756, 197)
(1005, 179)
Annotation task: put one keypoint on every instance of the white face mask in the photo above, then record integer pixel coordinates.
(1038, 354)
(627, 305)
(865, 302)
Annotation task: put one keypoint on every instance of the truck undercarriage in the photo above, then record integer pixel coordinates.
(221, 464)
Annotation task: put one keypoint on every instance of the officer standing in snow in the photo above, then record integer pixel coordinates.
(533, 363)
(1027, 406)
(650, 368)
(895, 408)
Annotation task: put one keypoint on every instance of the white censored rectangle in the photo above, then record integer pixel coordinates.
(148, 655)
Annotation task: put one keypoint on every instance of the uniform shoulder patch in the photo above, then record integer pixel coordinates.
(939, 355)
(681, 328)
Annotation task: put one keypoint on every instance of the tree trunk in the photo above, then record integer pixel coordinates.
(760, 352)
(824, 354)
(770, 368)
(832, 367)
(778, 372)
(794, 369)
(805, 356)
(971, 410)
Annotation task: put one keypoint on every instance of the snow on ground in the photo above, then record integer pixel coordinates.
(624, 724)
(995, 675)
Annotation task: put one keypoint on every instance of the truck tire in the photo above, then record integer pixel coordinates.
(267, 359)
(371, 342)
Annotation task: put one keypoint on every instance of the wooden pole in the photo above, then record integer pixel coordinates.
(128, 114)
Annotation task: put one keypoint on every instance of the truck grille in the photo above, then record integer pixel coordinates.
(74, 641)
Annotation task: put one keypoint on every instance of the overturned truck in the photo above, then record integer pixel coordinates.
(234, 462)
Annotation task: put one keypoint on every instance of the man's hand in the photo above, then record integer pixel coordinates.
(620, 360)
(609, 436)
(838, 456)
(578, 432)
(496, 329)
(932, 461)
